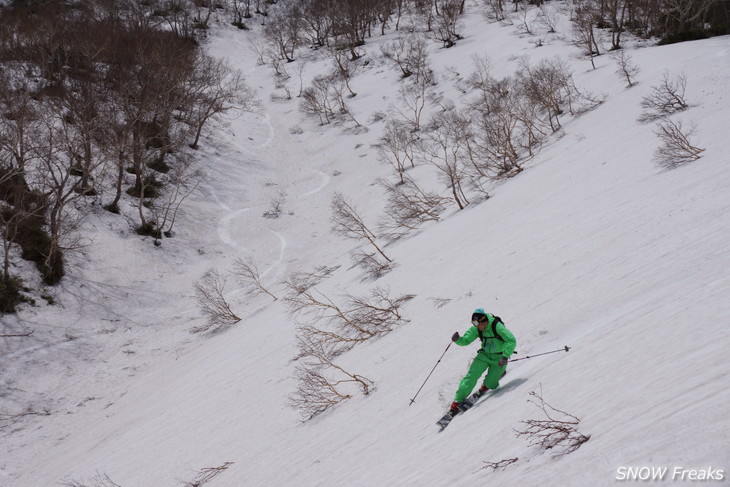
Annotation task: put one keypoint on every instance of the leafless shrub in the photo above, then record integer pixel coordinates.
(320, 309)
(440, 302)
(317, 392)
(373, 264)
(99, 480)
(209, 291)
(626, 68)
(676, 148)
(664, 99)
(299, 282)
(347, 222)
(248, 276)
(552, 432)
(206, 475)
(275, 205)
(321, 382)
(409, 207)
(356, 319)
(500, 465)
(379, 311)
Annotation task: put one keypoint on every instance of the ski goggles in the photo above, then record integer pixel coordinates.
(477, 318)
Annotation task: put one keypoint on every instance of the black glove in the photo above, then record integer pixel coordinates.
(455, 336)
(503, 361)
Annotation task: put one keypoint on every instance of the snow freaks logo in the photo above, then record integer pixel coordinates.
(664, 473)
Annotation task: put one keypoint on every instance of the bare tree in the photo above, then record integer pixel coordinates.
(683, 15)
(283, 31)
(626, 68)
(326, 98)
(347, 222)
(343, 68)
(216, 88)
(524, 22)
(615, 11)
(445, 147)
(676, 148)
(409, 207)
(666, 98)
(397, 147)
(409, 54)
(549, 18)
(59, 183)
(548, 84)
(316, 99)
(182, 180)
(503, 126)
(446, 25)
(318, 22)
(249, 276)
(584, 35)
(494, 10)
(414, 98)
(209, 291)
(241, 9)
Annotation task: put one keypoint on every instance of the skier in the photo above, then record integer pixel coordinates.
(498, 343)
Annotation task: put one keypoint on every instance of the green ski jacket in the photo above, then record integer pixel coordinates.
(503, 342)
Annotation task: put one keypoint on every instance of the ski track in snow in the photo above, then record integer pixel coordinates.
(224, 229)
(282, 252)
(264, 144)
(323, 184)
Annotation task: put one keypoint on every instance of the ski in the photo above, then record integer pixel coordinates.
(466, 405)
(444, 422)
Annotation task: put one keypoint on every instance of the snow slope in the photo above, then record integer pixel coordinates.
(592, 246)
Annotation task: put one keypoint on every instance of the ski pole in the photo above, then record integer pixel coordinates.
(564, 349)
(429, 375)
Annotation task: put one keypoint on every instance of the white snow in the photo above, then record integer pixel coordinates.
(592, 246)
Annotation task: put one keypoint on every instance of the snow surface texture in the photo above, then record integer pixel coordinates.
(592, 246)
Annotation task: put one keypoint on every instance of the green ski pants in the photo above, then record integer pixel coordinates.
(482, 362)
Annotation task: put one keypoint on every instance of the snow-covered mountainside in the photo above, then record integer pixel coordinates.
(593, 245)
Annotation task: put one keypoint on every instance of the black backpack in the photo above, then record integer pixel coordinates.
(496, 320)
